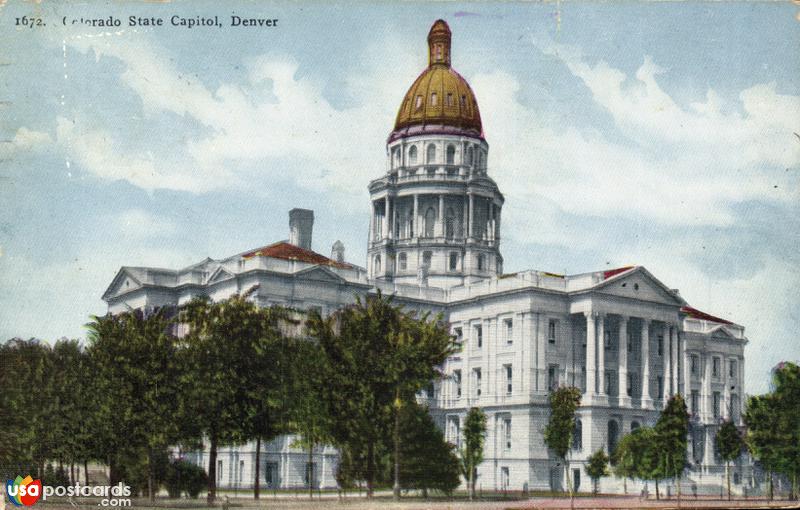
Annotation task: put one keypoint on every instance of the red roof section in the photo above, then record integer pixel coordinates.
(287, 251)
(694, 313)
(613, 272)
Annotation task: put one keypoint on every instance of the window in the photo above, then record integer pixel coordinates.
(402, 261)
(469, 155)
(694, 361)
(431, 154)
(634, 425)
(481, 262)
(509, 379)
(431, 172)
(449, 99)
(450, 223)
(508, 325)
(434, 98)
(732, 369)
(219, 470)
(715, 367)
(504, 477)
(551, 331)
(477, 377)
(419, 102)
(577, 436)
(507, 431)
(609, 382)
(426, 258)
(453, 262)
(459, 334)
(451, 154)
(607, 339)
(479, 336)
(429, 390)
(430, 221)
(660, 345)
(308, 476)
(660, 386)
(733, 408)
(552, 377)
(377, 264)
(630, 385)
(412, 155)
(613, 435)
(716, 402)
(457, 382)
(271, 474)
(454, 430)
(630, 341)
(695, 409)
(463, 101)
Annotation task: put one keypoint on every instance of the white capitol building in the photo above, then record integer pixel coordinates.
(626, 339)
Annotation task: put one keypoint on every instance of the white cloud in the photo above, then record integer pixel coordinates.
(138, 224)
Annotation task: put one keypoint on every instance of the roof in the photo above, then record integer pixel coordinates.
(287, 251)
(613, 272)
(694, 313)
(439, 96)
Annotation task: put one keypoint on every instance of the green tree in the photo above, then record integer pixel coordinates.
(229, 344)
(623, 459)
(597, 467)
(472, 451)
(786, 383)
(671, 431)
(564, 401)
(378, 357)
(427, 461)
(762, 433)
(137, 369)
(729, 444)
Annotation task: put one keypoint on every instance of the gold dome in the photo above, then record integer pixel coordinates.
(439, 100)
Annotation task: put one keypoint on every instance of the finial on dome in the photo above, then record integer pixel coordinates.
(439, 44)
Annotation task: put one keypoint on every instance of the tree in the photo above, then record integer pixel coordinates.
(623, 459)
(786, 383)
(671, 433)
(427, 461)
(597, 467)
(472, 452)
(378, 357)
(138, 369)
(761, 437)
(564, 401)
(230, 353)
(729, 444)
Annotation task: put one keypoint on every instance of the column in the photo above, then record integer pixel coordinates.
(394, 219)
(372, 222)
(591, 383)
(741, 387)
(415, 216)
(541, 338)
(440, 224)
(687, 375)
(667, 352)
(675, 359)
(531, 324)
(706, 392)
(645, 363)
(497, 225)
(708, 449)
(465, 218)
(622, 345)
(471, 214)
(386, 217)
(726, 392)
(601, 354)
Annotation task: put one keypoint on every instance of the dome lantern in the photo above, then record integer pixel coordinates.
(439, 44)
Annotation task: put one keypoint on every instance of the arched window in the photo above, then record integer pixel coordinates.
(431, 157)
(377, 264)
(419, 102)
(396, 152)
(481, 262)
(634, 425)
(412, 155)
(613, 436)
(451, 154)
(470, 155)
(434, 99)
(430, 221)
(577, 436)
(450, 223)
(402, 261)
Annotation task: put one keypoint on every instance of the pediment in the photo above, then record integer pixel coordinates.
(722, 332)
(124, 281)
(219, 275)
(639, 283)
(319, 274)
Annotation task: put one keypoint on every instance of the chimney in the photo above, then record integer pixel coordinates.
(337, 251)
(301, 226)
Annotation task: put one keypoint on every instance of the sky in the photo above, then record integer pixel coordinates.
(663, 134)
